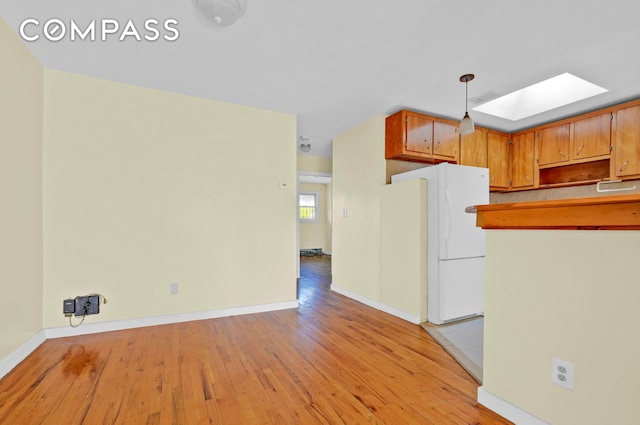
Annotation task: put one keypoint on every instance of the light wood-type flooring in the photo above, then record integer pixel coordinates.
(332, 361)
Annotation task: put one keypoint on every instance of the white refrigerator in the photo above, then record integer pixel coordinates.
(455, 246)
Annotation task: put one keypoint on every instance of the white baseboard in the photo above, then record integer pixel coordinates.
(401, 314)
(507, 410)
(21, 353)
(377, 305)
(92, 328)
(13, 359)
(357, 297)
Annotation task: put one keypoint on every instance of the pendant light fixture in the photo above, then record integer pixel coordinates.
(466, 124)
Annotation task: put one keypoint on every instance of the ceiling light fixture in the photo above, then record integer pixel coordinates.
(305, 147)
(466, 124)
(221, 12)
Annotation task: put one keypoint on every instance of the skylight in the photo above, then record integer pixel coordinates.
(541, 97)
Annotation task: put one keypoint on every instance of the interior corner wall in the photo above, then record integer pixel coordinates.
(144, 188)
(21, 86)
(358, 173)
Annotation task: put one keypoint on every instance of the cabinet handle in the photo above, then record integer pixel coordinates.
(599, 188)
(624, 165)
(491, 178)
(437, 146)
(562, 153)
(580, 150)
(527, 178)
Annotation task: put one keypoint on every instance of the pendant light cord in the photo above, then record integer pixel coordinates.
(466, 97)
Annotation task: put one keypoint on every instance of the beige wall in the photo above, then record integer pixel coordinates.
(329, 213)
(21, 88)
(314, 234)
(571, 295)
(358, 174)
(144, 188)
(314, 164)
(403, 265)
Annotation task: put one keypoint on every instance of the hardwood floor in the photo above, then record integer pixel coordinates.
(332, 361)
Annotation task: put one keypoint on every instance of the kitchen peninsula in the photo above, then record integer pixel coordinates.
(562, 281)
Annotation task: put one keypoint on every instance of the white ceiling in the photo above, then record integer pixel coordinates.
(336, 63)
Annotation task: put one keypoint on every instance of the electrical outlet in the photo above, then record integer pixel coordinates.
(174, 288)
(68, 306)
(562, 373)
(85, 306)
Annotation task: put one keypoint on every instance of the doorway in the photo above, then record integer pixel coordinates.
(314, 229)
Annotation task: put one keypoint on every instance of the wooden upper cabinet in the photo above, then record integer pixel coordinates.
(419, 134)
(588, 148)
(488, 149)
(445, 140)
(522, 161)
(473, 148)
(591, 137)
(553, 145)
(498, 160)
(413, 136)
(627, 141)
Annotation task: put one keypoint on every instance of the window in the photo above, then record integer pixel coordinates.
(308, 206)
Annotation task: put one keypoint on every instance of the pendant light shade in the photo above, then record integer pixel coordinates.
(466, 124)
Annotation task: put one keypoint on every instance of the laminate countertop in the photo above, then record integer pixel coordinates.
(597, 213)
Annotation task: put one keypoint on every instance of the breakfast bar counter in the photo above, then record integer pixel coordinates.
(596, 213)
(559, 288)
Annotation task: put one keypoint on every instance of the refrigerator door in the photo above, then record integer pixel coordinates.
(462, 290)
(461, 187)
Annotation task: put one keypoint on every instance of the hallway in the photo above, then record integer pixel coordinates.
(315, 277)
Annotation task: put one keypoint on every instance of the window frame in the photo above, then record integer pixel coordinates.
(316, 195)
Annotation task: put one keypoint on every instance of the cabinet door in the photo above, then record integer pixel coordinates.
(419, 134)
(592, 137)
(553, 145)
(445, 140)
(473, 148)
(522, 161)
(627, 141)
(498, 160)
